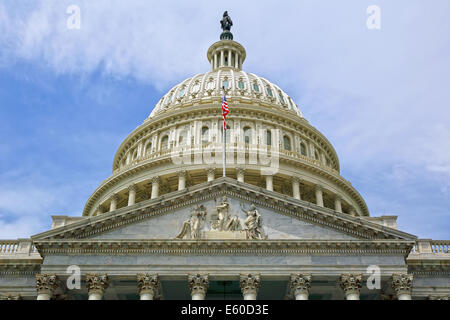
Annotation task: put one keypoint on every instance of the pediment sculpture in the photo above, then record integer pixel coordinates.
(222, 224)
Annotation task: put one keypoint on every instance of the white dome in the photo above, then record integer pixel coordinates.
(239, 84)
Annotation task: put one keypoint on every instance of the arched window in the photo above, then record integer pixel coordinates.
(247, 135)
(302, 148)
(148, 148)
(165, 142)
(287, 143)
(225, 84)
(268, 137)
(205, 134)
(255, 87)
(241, 85)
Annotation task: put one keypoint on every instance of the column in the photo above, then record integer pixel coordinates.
(155, 187)
(114, 200)
(296, 188)
(148, 285)
(402, 284)
(222, 58)
(240, 174)
(236, 60)
(96, 285)
(352, 211)
(210, 172)
(300, 285)
(215, 60)
(337, 204)
(198, 284)
(319, 195)
(132, 189)
(46, 285)
(351, 284)
(229, 58)
(250, 285)
(269, 183)
(182, 180)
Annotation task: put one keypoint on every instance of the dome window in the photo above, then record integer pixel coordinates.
(165, 142)
(268, 137)
(247, 135)
(287, 143)
(302, 149)
(241, 85)
(281, 97)
(181, 92)
(255, 87)
(205, 134)
(269, 92)
(182, 139)
(225, 84)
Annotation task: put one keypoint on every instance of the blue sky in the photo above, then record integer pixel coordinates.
(69, 97)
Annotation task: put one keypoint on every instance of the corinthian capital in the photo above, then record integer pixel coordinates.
(46, 283)
(97, 283)
(148, 283)
(250, 283)
(156, 180)
(132, 187)
(402, 283)
(300, 283)
(350, 283)
(198, 283)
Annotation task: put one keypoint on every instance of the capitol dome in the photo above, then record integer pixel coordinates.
(263, 118)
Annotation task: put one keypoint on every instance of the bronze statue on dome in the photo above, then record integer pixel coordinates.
(226, 24)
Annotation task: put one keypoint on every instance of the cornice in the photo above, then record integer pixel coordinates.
(224, 247)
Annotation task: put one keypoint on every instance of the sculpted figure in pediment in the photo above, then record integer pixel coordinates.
(191, 228)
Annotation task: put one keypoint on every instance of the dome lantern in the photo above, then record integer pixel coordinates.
(226, 53)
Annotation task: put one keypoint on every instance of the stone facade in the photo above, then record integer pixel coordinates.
(161, 227)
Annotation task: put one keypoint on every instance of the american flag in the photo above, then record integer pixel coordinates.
(224, 111)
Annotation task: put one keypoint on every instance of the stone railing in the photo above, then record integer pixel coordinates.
(428, 246)
(17, 247)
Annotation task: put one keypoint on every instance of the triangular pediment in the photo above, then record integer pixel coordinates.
(283, 217)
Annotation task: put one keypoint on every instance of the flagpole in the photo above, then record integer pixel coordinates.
(223, 139)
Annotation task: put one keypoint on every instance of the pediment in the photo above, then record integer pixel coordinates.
(283, 218)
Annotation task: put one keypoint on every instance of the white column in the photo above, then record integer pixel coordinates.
(182, 180)
(240, 172)
(250, 285)
(236, 60)
(155, 187)
(269, 183)
(148, 285)
(114, 200)
(338, 204)
(300, 285)
(351, 284)
(222, 58)
(96, 284)
(402, 284)
(132, 194)
(296, 188)
(215, 60)
(229, 58)
(198, 284)
(210, 172)
(319, 195)
(46, 285)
